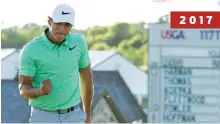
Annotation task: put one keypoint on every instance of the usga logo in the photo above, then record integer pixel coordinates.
(172, 34)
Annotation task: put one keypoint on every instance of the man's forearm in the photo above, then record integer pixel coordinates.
(87, 98)
(87, 91)
(28, 91)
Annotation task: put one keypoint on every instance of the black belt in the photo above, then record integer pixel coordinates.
(63, 111)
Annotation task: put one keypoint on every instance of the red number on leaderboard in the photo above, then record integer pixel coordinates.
(195, 19)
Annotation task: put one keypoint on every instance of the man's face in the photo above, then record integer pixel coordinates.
(59, 30)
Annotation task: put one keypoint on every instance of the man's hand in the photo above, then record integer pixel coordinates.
(88, 119)
(46, 87)
(28, 91)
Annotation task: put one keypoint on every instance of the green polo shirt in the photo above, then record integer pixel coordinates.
(42, 59)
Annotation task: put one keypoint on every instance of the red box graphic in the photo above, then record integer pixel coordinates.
(190, 20)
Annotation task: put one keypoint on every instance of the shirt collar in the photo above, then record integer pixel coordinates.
(49, 44)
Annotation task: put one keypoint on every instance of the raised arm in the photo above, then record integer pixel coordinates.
(26, 76)
(26, 88)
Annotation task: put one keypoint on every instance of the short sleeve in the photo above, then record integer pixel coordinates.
(27, 62)
(84, 60)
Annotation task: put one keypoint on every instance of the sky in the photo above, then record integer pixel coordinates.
(98, 12)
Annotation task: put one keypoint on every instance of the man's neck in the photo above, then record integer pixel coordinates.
(51, 39)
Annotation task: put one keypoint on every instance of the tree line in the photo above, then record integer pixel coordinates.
(131, 40)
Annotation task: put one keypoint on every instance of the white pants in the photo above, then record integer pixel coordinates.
(40, 116)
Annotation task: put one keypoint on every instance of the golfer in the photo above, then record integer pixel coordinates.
(55, 73)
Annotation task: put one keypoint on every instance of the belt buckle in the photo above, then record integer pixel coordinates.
(62, 111)
(59, 111)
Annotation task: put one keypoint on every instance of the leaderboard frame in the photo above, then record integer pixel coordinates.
(184, 75)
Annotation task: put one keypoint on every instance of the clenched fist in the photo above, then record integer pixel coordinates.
(46, 87)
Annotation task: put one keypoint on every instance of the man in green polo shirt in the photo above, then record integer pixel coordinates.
(50, 69)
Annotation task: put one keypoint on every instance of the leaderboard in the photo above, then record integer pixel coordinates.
(184, 75)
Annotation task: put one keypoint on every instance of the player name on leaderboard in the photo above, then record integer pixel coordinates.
(184, 75)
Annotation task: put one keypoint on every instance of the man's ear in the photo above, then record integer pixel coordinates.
(49, 21)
